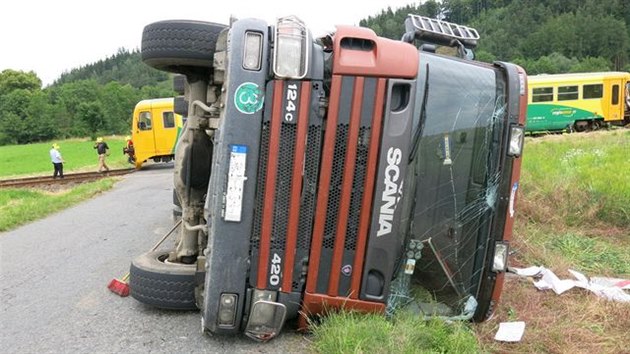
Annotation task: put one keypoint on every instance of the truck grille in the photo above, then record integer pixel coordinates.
(315, 186)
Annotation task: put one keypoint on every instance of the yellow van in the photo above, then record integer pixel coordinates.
(155, 129)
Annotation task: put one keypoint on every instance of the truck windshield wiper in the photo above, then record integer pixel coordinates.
(423, 116)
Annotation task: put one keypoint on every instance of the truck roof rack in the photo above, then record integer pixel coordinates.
(439, 32)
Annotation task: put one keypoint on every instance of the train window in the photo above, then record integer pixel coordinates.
(169, 119)
(566, 93)
(144, 121)
(542, 94)
(615, 95)
(593, 91)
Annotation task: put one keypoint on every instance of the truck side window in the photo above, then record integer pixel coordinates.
(144, 121)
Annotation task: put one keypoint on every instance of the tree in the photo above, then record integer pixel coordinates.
(91, 113)
(590, 64)
(72, 94)
(118, 104)
(11, 80)
(40, 123)
(15, 102)
(13, 129)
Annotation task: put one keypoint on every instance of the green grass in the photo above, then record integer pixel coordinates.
(592, 255)
(572, 213)
(583, 178)
(20, 206)
(79, 155)
(351, 332)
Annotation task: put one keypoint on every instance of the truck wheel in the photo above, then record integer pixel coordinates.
(178, 45)
(156, 282)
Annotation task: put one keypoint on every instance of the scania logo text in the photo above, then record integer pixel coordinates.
(392, 192)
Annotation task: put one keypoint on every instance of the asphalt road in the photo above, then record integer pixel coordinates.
(54, 275)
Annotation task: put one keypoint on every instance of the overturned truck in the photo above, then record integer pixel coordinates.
(347, 171)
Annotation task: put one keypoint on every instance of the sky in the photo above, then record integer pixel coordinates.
(55, 36)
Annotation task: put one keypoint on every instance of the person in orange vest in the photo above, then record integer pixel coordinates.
(129, 150)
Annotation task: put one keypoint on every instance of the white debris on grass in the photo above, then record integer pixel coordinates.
(510, 331)
(613, 289)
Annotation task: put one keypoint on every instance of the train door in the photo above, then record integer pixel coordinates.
(626, 96)
(616, 107)
(143, 134)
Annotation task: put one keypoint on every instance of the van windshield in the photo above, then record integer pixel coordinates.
(454, 176)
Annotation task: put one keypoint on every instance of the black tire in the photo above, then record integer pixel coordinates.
(178, 45)
(163, 285)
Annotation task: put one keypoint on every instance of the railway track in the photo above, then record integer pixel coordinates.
(68, 178)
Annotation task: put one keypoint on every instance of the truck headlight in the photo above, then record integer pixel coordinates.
(227, 309)
(252, 52)
(499, 261)
(291, 52)
(517, 135)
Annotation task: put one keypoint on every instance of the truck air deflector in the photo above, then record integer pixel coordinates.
(358, 51)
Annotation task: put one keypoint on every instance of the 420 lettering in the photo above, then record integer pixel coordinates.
(274, 277)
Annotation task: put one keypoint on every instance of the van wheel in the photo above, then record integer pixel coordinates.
(155, 281)
(179, 45)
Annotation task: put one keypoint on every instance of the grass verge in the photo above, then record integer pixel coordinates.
(20, 206)
(351, 332)
(572, 214)
(79, 156)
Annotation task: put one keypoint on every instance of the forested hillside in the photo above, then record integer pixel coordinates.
(92, 100)
(125, 67)
(544, 36)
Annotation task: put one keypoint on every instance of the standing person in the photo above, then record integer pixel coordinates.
(129, 150)
(57, 161)
(103, 150)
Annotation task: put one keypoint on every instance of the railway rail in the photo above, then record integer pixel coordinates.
(68, 178)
